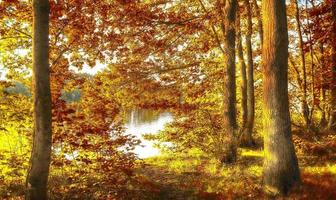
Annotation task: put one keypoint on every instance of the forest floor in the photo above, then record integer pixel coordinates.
(193, 176)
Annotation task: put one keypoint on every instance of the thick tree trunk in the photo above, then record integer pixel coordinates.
(242, 64)
(229, 101)
(40, 157)
(332, 120)
(304, 104)
(281, 171)
(246, 139)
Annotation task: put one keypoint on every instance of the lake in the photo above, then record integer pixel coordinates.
(142, 121)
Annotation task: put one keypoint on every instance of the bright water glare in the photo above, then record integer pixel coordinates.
(137, 126)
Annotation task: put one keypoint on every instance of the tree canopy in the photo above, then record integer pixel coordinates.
(246, 82)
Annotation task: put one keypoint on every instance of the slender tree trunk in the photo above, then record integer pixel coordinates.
(258, 15)
(281, 171)
(312, 68)
(246, 139)
(332, 120)
(40, 157)
(242, 72)
(304, 104)
(229, 101)
(323, 121)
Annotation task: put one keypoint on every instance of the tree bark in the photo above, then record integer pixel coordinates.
(332, 120)
(323, 121)
(242, 72)
(281, 171)
(246, 139)
(40, 157)
(229, 100)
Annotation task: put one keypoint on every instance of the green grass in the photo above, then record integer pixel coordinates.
(206, 176)
(327, 168)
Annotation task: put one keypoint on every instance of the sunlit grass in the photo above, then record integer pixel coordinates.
(255, 170)
(332, 168)
(252, 153)
(328, 168)
(213, 167)
(241, 179)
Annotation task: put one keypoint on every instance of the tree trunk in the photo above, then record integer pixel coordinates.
(304, 104)
(40, 157)
(246, 139)
(258, 15)
(242, 72)
(323, 121)
(281, 171)
(229, 101)
(332, 120)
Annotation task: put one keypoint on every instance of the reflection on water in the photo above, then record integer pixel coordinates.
(142, 121)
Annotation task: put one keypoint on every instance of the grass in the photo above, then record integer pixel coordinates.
(191, 175)
(325, 169)
(197, 176)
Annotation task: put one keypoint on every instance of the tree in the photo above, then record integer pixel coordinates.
(304, 104)
(246, 138)
(281, 171)
(229, 101)
(40, 158)
(242, 72)
(323, 108)
(320, 29)
(332, 120)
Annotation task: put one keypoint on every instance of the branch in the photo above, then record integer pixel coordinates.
(14, 37)
(19, 31)
(213, 28)
(160, 71)
(54, 62)
(179, 23)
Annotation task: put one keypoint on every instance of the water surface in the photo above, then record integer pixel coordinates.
(141, 122)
